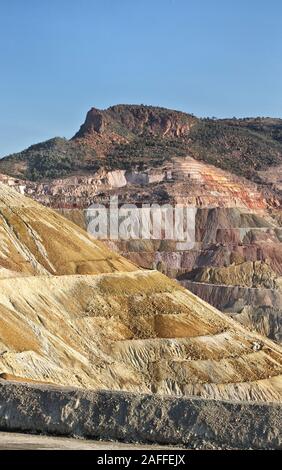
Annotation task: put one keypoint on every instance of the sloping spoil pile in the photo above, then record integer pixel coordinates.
(74, 313)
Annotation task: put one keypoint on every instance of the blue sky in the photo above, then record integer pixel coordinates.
(60, 57)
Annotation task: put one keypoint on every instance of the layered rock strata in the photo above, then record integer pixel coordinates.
(78, 314)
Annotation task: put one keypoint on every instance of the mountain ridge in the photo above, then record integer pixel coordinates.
(139, 136)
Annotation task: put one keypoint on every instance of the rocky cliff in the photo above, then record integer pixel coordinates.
(132, 120)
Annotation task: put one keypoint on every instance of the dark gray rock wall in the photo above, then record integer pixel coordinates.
(125, 416)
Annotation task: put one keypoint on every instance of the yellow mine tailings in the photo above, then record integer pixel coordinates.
(74, 313)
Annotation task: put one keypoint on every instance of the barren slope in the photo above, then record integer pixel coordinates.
(118, 327)
(131, 331)
(36, 240)
(238, 244)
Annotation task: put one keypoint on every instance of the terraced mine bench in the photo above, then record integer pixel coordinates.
(116, 415)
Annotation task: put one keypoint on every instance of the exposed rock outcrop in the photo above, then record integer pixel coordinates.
(184, 181)
(248, 274)
(257, 308)
(126, 119)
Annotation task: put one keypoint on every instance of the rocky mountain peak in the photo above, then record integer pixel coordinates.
(95, 122)
(125, 120)
(140, 137)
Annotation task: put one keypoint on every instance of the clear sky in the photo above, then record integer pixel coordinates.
(60, 57)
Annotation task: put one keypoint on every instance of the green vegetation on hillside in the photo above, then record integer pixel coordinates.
(270, 127)
(234, 148)
(146, 151)
(242, 146)
(54, 158)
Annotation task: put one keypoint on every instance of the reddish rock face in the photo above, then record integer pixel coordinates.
(126, 119)
(95, 122)
(182, 181)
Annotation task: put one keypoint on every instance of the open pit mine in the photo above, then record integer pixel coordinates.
(73, 313)
(184, 340)
(222, 168)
